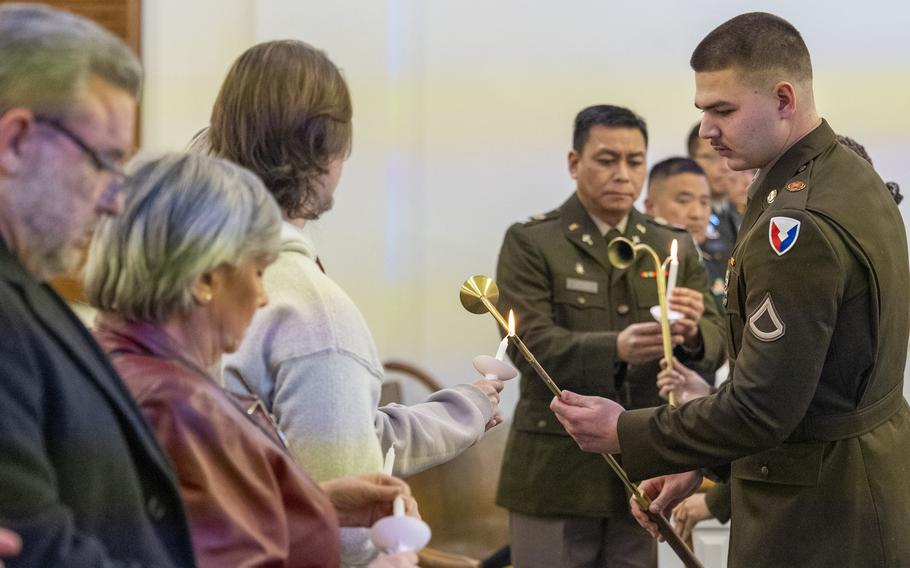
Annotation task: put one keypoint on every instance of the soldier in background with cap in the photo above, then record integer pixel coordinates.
(589, 324)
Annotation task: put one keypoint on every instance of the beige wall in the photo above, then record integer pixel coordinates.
(463, 114)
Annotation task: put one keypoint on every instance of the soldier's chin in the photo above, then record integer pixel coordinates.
(739, 163)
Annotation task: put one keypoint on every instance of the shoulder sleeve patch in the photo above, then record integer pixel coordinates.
(782, 234)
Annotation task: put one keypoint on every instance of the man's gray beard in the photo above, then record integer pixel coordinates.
(39, 203)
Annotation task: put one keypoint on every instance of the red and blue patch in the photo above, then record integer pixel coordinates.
(783, 232)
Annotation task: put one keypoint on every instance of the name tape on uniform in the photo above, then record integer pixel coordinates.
(580, 285)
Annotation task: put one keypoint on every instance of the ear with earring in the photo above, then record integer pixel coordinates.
(202, 289)
(204, 298)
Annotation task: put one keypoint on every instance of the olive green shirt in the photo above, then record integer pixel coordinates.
(812, 418)
(571, 305)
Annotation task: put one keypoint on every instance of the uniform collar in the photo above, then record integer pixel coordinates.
(787, 164)
(605, 227)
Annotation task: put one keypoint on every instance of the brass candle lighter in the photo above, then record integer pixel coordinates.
(478, 295)
(621, 253)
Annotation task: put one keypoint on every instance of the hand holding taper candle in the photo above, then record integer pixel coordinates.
(478, 295)
(493, 368)
(398, 532)
(621, 252)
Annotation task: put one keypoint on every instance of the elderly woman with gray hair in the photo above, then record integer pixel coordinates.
(177, 279)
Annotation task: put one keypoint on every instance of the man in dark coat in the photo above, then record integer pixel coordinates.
(590, 324)
(813, 418)
(82, 480)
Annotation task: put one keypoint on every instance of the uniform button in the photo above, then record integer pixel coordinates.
(541, 423)
(582, 300)
(622, 309)
(765, 471)
(155, 508)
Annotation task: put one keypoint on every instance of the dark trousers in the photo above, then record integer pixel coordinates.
(580, 542)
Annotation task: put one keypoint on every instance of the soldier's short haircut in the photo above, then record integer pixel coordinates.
(605, 115)
(692, 141)
(47, 57)
(756, 44)
(671, 167)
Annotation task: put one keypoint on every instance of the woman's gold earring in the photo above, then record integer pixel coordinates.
(207, 297)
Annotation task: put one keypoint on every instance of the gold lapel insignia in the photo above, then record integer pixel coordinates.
(797, 185)
(586, 239)
(579, 268)
(573, 226)
(641, 228)
(772, 196)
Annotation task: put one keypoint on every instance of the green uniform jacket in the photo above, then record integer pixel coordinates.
(570, 305)
(813, 419)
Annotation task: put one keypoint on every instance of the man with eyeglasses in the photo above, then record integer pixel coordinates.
(83, 481)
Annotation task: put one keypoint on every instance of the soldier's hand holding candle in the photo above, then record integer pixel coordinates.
(685, 382)
(642, 342)
(691, 304)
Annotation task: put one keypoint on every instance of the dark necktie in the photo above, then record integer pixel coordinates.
(612, 234)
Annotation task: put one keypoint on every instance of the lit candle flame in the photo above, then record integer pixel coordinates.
(673, 250)
(511, 323)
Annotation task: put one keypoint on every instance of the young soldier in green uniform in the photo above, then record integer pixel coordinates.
(812, 419)
(590, 325)
(679, 194)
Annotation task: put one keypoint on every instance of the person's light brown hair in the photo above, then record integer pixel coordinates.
(283, 112)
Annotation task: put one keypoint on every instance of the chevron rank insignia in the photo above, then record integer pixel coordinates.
(765, 324)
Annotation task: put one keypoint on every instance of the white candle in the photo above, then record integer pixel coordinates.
(388, 465)
(398, 506)
(674, 268)
(501, 352)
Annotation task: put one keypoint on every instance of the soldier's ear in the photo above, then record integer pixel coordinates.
(15, 125)
(649, 206)
(572, 161)
(786, 99)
